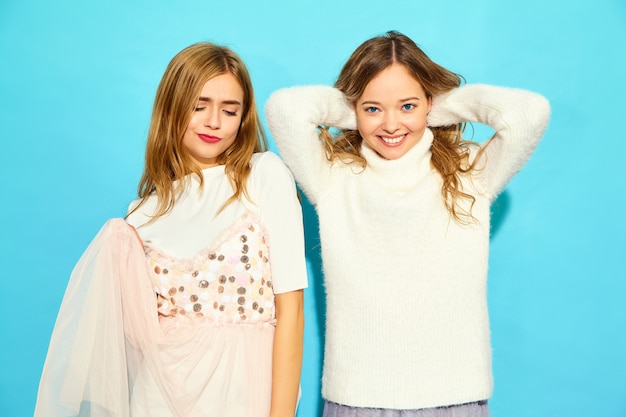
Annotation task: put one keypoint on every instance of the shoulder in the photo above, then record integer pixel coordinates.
(133, 204)
(138, 216)
(133, 217)
(269, 164)
(270, 178)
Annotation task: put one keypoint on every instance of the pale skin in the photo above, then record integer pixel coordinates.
(215, 121)
(287, 355)
(391, 113)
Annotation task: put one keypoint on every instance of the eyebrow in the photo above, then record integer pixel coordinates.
(400, 101)
(233, 102)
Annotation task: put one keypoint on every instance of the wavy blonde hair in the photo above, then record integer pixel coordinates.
(450, 153)
(167, 160)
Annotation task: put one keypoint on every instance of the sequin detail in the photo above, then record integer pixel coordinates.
(230, 283)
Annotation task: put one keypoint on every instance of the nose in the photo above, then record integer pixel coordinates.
(212, 119)
(390, 122)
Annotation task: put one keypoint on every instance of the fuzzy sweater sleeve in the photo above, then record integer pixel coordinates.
(293, 116)
(519, 118)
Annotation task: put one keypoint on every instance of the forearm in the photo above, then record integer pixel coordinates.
(293, 117)
(499, 107)
(287, 355)
(311, 105)
(519, 118)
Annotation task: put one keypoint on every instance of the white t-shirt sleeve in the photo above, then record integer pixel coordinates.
(274, 193)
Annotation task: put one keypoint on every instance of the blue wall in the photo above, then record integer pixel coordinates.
(78, 79)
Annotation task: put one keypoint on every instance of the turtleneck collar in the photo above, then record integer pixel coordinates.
(402, 173)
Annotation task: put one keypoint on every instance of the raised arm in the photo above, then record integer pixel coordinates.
(293, 116)
(519, 118)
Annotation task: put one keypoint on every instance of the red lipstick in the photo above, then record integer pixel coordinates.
(208, 138)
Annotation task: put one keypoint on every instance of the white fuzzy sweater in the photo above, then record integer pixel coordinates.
(407, 323)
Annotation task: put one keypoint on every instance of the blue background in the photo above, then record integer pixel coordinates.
(78, 80)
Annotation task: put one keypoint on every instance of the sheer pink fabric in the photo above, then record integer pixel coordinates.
(110, 357)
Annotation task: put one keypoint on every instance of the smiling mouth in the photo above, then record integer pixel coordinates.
(392, 140)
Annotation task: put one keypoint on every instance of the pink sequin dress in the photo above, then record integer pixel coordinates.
(216, 311)
(145, 330)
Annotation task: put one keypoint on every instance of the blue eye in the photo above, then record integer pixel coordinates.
(408, 106)
(371, 109)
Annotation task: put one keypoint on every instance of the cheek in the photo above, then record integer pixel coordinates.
(194, 122)
(234, 125)
(363, 124)
(418, 122)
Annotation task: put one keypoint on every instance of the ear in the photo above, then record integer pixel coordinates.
(429, 107)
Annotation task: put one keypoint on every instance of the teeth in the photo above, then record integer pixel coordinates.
(392, 140)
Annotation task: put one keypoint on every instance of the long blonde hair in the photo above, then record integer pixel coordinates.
(167, 161)
(450, 153)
